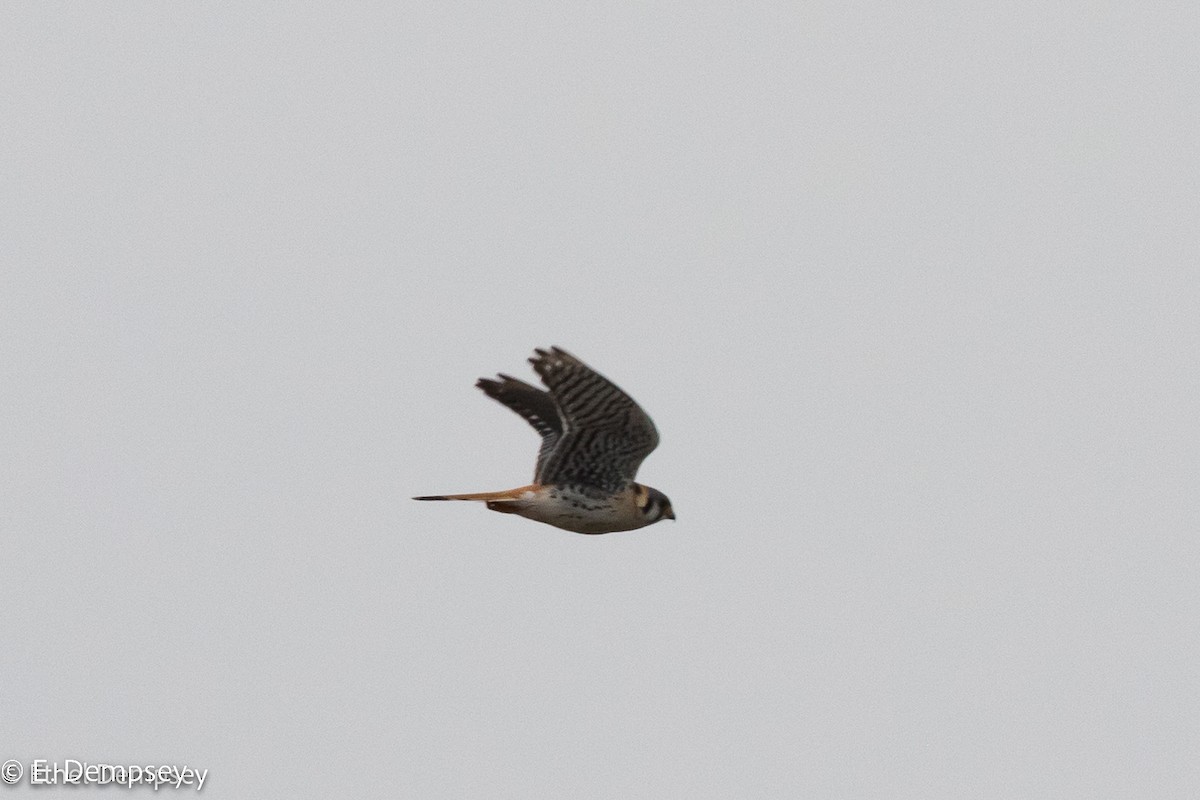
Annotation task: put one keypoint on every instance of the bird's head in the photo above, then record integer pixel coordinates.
(653, 504)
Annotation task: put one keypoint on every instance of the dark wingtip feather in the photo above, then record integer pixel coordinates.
(563, 355)
(498, 389)
(552, 358)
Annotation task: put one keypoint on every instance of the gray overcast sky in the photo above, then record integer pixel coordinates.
(912, 292)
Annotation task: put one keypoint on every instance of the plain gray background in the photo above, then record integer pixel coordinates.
(912, 292)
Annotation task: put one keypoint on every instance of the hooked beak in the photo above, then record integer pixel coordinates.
(670, 514)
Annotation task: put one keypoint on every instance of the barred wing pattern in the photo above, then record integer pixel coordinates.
(534, 405)
(604, 436)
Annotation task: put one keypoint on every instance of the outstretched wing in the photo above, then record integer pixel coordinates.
(534, 405)
(605, 435)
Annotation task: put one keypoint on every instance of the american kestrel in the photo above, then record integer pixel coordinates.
(594, 437)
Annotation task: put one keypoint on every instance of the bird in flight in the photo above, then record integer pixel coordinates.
(594, 437)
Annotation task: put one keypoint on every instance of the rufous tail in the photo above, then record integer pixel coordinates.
(484, 496)
(506, 502)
